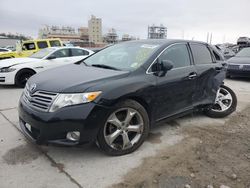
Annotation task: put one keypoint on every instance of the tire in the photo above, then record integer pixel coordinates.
(223, 107)
(22, 77)
(128, 123)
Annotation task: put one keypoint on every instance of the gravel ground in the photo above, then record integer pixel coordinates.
(210, 155)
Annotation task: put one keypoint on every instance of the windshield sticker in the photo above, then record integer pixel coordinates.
(150, 46)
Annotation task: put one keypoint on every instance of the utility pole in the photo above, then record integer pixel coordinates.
(211, 37)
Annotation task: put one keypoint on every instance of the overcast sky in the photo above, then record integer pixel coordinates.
(189, 19)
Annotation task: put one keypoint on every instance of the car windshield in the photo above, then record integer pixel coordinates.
(42, 53)
(125, 56)
(245, 52)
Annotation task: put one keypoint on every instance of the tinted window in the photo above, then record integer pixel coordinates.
(42, 44)
(54, 43)
(61, 53)
(79, 52)
(201, 54)
(29, 46)
(178, 54)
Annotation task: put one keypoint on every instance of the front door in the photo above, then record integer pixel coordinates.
(175, 90)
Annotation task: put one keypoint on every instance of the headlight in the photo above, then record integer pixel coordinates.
(7, 69)
(63, 100)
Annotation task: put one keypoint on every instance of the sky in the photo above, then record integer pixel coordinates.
(226, 20)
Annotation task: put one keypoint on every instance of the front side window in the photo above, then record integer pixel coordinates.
(61, 53)
(42, 53)
(42, 44)
(201, 54)
(178, 54)
(29, 46)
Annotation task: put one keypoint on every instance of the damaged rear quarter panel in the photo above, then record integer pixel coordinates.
(208, 82)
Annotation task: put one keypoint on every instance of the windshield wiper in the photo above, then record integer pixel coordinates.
(105, 66)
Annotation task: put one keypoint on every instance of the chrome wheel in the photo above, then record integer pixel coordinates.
(123, 129)
(223, 100)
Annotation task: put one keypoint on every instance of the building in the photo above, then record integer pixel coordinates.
(65, 33)
(84, 33)
(157, 32)
(95, 30)
(111, 37)
(127, 37)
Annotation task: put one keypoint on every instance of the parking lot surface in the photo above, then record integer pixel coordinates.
(23, 164)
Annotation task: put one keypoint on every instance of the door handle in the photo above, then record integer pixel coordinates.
(192, 75)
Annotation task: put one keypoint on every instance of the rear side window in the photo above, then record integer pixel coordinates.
(54, 43)
(178, 54)
(201, 54)
(61, 53)
(42, 44)
(29, 46)
(79, 52)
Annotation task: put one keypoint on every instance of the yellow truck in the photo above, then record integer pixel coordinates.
(26, 48)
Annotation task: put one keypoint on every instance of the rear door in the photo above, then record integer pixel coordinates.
(175, 90)
(210, 72)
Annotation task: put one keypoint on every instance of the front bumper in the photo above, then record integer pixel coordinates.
(45, 127)
(7, 78)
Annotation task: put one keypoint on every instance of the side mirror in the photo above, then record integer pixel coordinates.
(51, 57)
(166, 65)
(161, 68)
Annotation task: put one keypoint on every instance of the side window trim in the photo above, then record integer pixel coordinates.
(148, 71)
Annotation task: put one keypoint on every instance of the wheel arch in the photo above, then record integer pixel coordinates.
(142, 102)
(24, 70)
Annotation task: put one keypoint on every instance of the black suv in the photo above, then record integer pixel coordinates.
(114, 96)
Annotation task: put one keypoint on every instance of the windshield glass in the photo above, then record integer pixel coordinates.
(42, 53)
(125, 56)
(245, 52)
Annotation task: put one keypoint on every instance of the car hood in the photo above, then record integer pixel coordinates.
(14, 61)
(72, 78)
(239, 60)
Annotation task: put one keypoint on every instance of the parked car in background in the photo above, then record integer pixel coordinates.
(116, 95)
(226, 52)
(26, 48)
(4, 50)
(239, 66)
(18, 70)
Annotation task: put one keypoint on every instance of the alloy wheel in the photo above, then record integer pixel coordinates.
(223, 100)
(123, 129)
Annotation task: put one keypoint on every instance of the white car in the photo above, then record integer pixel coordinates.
(17, 71)
(4, 50)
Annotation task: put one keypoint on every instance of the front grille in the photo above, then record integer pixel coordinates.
(246, 67)
(40, 100)
(2, 79)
